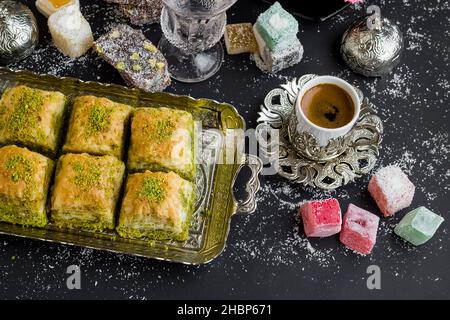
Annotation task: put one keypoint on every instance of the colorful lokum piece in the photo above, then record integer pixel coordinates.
(277, 27)
(138, 60)
(391, 189)
(70, 31)
(239, 38)
(274, 61)
(48, 7)
(321, 218)
(418, 226)
(359, 229)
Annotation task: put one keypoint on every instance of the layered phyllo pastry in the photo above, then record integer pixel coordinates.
(97, 126)
(85, 191)
(156, 205)
(32, 118)
(24, 183)
(162, 140)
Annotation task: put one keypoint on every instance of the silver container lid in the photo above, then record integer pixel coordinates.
(372, 50)
(18, 32)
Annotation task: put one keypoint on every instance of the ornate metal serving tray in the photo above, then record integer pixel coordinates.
(322, 167)
(216, 203)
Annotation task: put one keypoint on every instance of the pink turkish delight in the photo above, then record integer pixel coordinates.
(321, 218)
(359, 229)
(391, 190)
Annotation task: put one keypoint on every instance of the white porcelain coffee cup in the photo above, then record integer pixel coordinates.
(324, 135)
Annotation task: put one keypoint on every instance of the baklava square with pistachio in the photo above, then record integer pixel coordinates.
(32, 118)
(136, 58)
(97, 126)
(156, 205)
(24, 183)
(162, 139)
(85, 191)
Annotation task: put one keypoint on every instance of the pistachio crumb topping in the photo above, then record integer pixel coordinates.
(115, 34)
(152, 62)
(23, 118)
(86, 178)
(99, 118)
(185, 201)
(120, 66)
(164, 128)
(135, 56)
(149, 47)
(20, 167)
(153, 189)
(160, 65)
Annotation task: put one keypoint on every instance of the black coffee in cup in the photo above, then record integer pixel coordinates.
(328, 106)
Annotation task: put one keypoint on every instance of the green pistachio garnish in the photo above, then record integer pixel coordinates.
(115, 34)
(99, 118)
(153, 189)
(120, 66)
(86, 178)
(160, 65)
(135, 56)
(152, 62)
(164, 129)
(20, 167)
(137, 67)
(149, 47)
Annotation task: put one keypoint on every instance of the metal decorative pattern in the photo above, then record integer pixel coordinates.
(334, 170)
(372, 52)
(249, 204)
(18, 32)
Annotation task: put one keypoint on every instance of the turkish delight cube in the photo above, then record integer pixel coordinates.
(418, 226)
(239, 38)
(359, 229)
(277, 27)
(321, 218)
(279, 59)
(70, 31)
(48, 7)
(391, 189)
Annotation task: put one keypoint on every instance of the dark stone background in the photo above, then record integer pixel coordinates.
(267, 256)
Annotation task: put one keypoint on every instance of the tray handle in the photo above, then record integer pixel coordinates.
(249, 204)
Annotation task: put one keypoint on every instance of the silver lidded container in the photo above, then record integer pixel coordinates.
(18, 32)
(372, 48)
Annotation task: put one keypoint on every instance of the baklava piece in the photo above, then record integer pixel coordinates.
(97, 126)
(32, 118)
(162, 139)
(85, 192)
(156, 205)
(24, 183)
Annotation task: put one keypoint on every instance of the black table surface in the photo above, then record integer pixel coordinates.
(267, 254)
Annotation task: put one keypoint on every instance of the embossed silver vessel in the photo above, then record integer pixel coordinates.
(373, 51)
(18, 32)
(300, 158)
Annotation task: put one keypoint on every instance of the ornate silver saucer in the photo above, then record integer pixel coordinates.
(298, 157)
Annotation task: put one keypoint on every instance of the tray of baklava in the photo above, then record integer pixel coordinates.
(111, 168)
